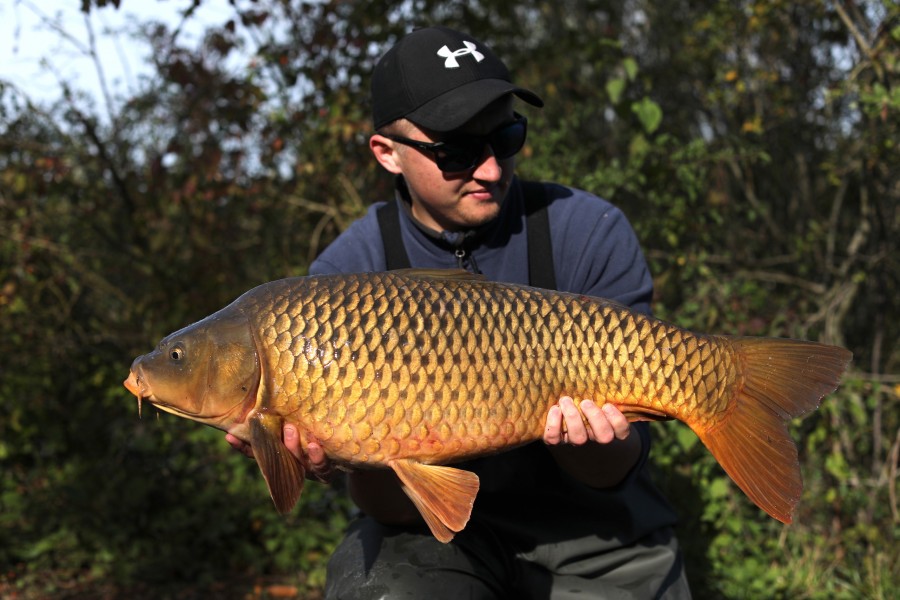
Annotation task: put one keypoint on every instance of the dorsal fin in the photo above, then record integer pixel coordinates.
(455, 274)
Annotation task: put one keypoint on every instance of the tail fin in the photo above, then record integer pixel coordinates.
(782, 379)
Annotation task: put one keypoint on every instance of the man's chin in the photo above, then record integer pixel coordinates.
(481, 213)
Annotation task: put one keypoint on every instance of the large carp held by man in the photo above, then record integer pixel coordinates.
(414, 370)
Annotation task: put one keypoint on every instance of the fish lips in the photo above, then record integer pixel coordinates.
(135, 385)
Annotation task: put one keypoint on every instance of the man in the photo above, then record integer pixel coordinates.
(575, 516)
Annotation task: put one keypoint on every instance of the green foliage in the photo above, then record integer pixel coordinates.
(752, 144)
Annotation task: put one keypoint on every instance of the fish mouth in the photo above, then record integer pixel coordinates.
(135, 385)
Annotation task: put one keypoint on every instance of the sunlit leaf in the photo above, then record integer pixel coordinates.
(649, 113)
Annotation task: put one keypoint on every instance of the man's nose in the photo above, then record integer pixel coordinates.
(488, 168)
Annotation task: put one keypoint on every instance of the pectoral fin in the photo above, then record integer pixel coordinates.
(283, 473)
(443, 495)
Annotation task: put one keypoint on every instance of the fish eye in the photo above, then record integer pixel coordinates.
(176, 353)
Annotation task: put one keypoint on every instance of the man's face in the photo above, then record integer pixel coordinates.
(453, 201)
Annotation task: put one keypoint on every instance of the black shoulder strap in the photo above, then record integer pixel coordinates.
(395, 255)
(537, 226)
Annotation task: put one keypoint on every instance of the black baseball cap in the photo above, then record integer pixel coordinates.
(439, 78)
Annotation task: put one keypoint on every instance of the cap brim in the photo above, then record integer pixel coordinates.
(453, 109)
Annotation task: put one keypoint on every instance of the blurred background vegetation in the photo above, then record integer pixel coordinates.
(753, 144)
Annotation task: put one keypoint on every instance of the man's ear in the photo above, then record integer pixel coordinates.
(385, 152)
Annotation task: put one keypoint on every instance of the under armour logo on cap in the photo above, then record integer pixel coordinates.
(452, 55)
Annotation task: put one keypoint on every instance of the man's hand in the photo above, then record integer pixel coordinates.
(240, 446)
(599, 454)
(314, 461)
(606, 423)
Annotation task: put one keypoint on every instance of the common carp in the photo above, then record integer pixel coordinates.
(413, 370)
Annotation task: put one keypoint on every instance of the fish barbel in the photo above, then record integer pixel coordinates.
(414, 370)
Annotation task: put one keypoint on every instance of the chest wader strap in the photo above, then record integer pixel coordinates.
(537, 226)
(389, 223)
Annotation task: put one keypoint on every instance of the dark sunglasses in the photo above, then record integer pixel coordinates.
(464, 152)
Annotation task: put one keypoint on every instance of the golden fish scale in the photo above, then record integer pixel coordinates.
(379, 366)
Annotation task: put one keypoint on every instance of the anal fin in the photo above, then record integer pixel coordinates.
(443, 495)
(283, 473)
(642, 413)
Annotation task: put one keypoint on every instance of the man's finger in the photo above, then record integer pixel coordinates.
(618, 421)
(292, 441)
(576, 432)
(316, 454)
(601, 429)
(322, 468)
(239, 445)
(553, 429)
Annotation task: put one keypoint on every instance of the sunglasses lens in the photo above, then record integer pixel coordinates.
(463, 154)
(453, 157)
(509, 140)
